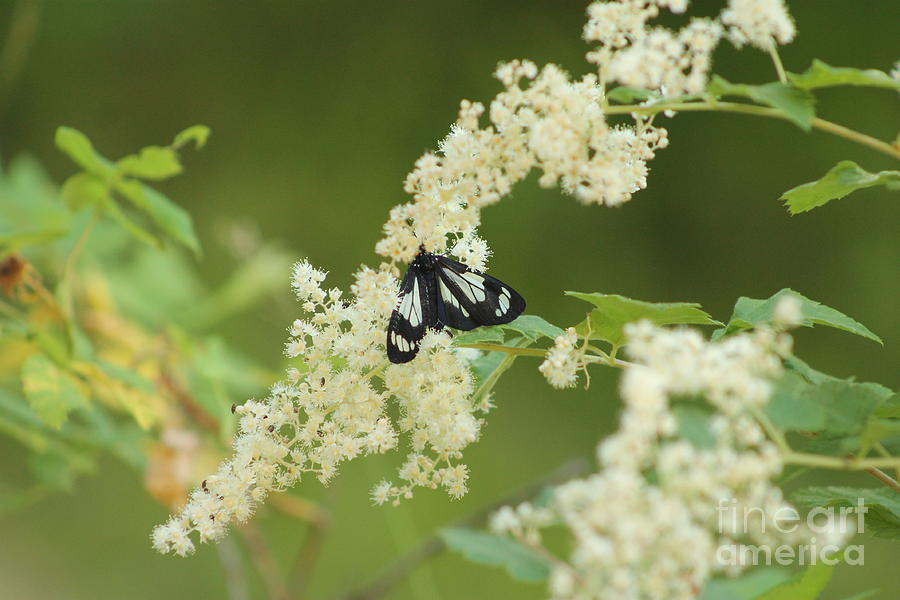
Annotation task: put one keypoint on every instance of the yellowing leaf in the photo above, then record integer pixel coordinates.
(52, 393)
(112, 389)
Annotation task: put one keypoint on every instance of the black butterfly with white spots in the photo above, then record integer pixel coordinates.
(438, 291)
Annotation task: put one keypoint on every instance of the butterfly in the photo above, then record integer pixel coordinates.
(439, 292)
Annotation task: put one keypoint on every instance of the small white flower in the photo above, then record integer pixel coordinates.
(788, 311)
(760, 23)
(561, 365)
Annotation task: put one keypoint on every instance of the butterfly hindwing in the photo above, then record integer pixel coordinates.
(414, 314)
(467, 298)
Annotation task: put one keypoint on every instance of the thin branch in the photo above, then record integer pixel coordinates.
(837, 462)
(537, 352)
(884, 478)
(507, 349)
(23, 27)
(264, 561)
(760, 111)
(232, 565)
(432, 546)
(307, 559)
(319, 521)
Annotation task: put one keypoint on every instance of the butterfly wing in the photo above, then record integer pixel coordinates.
(414, 314)
(467, 298)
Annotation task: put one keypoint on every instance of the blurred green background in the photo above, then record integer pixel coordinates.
(318, 110)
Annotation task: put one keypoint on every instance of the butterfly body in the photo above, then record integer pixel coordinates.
(438, 291)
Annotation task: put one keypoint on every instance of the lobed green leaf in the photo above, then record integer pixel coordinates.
(797, 104)
(613, 312)
(883, 516)
(488, 549)
(806, 586)
(748, 586)
(842, 179)
(750, 312)
(820, 75)
(793, 405)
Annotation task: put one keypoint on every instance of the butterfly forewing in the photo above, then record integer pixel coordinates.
(468, 298)
(414, 314)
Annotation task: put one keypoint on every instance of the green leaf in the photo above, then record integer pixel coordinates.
(52, 393)
(806, 586)
(165, 214)
(863, 595)
(488, 549)
(485, 366)
(693, 425)
(195, 133)
(793, 406)
(890, 409)
(628, 95)
(79, 148)
(842, 179)
(883, 516)
(747, 586)
(812, 375)
(114, 211)
(260, 277)
(750, 312)
(533, 327)
(820, 75)
(84, 189)
(848, 408)
(848, 404)
(876, 431)
(530, 326)
(481, 335)
(58, 471)
(153, 162)
(30, 210)
(798, 105)
(613, 312)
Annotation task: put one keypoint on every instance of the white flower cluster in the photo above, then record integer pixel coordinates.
(550, 123)
(759, 23)
(632, 54)
(561, 365)
(673, 63)
(656, 494)
(331, 410)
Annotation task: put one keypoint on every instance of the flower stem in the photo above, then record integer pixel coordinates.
(773, 432)
(760, 111)
(776, 60)
(838, 462)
